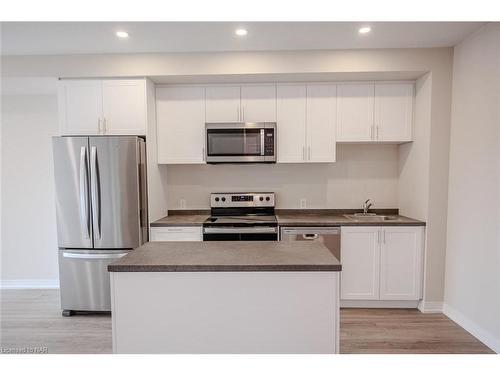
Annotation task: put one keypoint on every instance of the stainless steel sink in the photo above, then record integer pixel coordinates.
(372, 217)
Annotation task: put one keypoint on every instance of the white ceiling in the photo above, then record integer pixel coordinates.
(35, 38)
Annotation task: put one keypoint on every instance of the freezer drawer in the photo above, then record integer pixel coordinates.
(84, 278)
(330, 236)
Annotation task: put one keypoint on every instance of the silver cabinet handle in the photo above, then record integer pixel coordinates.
(384, 235)
(372, 136)
(203, 155)
(378, 237)
(93, 256)
(238, 114)
(377, 131)
(96, 199)
(104, 122)
(309, 153)
(99, 125)
(243, 115)
(303, 152)
(84, 200)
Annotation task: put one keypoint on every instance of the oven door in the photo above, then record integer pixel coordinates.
(258, 233)
(235, 143)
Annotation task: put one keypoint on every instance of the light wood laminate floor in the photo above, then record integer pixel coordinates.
(32, 318)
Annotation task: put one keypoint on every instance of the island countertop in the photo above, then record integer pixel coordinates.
(228, 256)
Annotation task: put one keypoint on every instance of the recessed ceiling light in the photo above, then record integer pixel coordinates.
(122, 34)
(365, 30)
(241, 32)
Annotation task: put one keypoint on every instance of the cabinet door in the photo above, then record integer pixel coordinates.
(291, 129)
(321, 109)
(180, 114)
(176, 234)
(124, 107)
(80, 107)
(355, 112)
(223, 104)
(360, 257)
(393, 111)
(401, 263)
(258, 103)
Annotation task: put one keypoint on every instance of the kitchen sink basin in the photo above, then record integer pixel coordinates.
(372, 217)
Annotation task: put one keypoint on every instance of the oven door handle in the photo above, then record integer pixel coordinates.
(225, 230)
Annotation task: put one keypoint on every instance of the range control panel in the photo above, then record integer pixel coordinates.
(242, 200)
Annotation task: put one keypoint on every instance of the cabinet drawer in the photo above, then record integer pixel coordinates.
(176, 234)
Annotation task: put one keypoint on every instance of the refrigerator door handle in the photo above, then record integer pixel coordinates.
(84, 199)
(93, 256)
(96, 199)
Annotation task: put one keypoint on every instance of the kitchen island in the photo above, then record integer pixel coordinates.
(226, 297)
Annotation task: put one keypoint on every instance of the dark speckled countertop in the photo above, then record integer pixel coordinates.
(337, 218)
(228, 256)
(182, 220)
(295, 217)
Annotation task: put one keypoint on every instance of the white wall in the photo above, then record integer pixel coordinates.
(361, 172)
(472, 292)
(28, 242)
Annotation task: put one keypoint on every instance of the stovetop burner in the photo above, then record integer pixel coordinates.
(241, 209)
(241, 217)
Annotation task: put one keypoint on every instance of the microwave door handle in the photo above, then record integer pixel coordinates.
(262, 141)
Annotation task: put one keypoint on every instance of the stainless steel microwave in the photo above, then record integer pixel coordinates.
(249, 142)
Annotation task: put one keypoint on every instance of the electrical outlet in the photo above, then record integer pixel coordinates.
(182, 203)
(303, 203)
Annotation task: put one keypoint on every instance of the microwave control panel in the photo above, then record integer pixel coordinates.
(269, 142)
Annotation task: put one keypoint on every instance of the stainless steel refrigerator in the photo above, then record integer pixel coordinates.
(101, 206)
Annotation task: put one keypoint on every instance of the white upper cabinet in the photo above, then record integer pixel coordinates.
(258, 103)
(320, 120)
(223, 104)
(393, 111)
(355, 112)
(247, 103)
(291, 120)
(124, 107)
(360, 255)
(102, 107)
(380, 112)
(180, 113)
(401, 256)
(80, 107)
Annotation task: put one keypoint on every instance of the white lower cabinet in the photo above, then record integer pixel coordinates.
(360, 254)
(401, 261)
(382, 263)
(176, 234)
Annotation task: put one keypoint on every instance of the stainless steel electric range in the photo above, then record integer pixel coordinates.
(241, 217)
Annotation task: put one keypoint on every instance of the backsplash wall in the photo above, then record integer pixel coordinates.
(361, 172)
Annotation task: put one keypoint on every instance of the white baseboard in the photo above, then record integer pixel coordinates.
(377, 304)
(30, 284)
(430, 307)
(480, 333)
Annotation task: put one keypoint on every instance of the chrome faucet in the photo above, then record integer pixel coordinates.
(366, 206)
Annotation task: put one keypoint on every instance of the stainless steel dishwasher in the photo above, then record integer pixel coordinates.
(330, 236)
